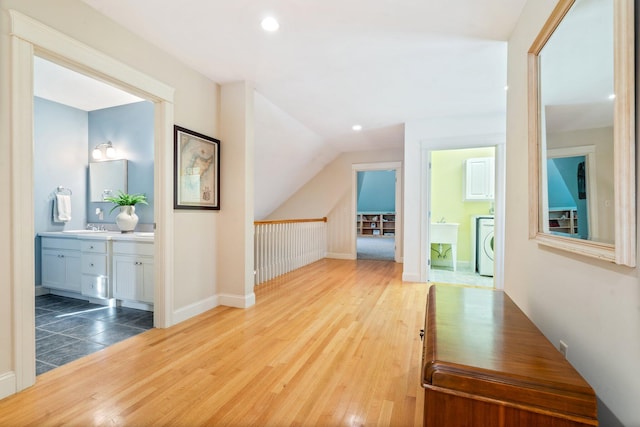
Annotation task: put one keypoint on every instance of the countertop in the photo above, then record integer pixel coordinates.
(100, 235)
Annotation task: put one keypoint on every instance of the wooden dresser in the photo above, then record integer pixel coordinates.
(484, 363)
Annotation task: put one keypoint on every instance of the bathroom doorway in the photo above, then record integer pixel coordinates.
(77, 118)
(461, 216)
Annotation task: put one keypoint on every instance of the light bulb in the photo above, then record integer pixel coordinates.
(96, 153)
(111, 152)
(270, 24)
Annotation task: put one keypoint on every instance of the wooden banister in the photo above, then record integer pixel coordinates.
(290, 221)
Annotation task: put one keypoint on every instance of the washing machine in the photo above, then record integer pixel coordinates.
(484, 246)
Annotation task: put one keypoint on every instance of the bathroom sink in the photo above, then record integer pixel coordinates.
(444, 232)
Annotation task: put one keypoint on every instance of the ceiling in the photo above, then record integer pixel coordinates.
(333, 64)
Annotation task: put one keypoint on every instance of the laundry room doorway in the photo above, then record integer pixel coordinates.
(461, 212)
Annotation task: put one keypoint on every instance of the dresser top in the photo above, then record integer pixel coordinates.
(478, 341)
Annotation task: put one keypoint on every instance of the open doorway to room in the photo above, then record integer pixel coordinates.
(377, 210)
(376, 214)
(461, 231)
(88, 134)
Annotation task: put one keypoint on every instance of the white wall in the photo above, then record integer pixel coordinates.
(593, 306)
(329, 194)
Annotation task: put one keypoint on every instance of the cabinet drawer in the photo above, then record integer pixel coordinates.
(94, 264)
(93, 246)
(60, 243)
(133, 248)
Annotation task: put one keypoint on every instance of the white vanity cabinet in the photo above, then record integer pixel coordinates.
(479, 179)
(61, 264)
(133, 277)
(95, 268)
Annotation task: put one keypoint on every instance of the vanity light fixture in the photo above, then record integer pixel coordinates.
(270, 24)
(108, 149)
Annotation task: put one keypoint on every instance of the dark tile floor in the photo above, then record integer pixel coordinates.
(69, 328)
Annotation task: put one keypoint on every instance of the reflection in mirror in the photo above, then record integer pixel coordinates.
(582, 137)
(107, 178)
(576, 109)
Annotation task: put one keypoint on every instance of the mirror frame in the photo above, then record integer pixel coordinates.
(623, 250)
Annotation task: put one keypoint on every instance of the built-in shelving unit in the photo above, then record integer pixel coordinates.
(376, 224)
(563, 221)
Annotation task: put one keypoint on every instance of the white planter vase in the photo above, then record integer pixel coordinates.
(127, 219)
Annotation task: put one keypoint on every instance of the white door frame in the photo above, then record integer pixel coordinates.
(363, 167)
(30, 37)
(454, 143)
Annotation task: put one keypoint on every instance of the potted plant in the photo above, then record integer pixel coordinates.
(127, 218)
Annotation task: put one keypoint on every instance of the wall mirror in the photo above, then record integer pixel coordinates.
(106, 179)
(581, 130)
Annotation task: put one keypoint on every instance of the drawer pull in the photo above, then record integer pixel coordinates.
(91, 264)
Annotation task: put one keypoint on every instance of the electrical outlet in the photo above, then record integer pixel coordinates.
(564, 348)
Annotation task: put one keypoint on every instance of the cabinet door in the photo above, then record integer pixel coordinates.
(61, 270)
(479, 179)
(133, 278)
(147, 288)
(125, 277)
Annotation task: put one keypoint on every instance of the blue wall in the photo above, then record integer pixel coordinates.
(60, 147)
(562, 173)
(63, 140)
(377, 191)
(130, 129)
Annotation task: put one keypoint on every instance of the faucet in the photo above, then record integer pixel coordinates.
(442, 221)
(92, 227)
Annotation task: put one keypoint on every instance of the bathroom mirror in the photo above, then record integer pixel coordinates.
(107, 178)
(581, 130)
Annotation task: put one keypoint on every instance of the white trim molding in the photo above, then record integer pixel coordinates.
(238, 301)
(28, 38)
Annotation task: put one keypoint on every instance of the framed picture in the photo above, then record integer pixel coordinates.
(196, 172)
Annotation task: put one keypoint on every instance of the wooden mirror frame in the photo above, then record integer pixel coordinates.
(623, 250)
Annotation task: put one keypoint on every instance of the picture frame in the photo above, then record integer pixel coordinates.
(196, 172)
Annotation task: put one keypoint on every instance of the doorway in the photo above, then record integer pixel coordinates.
(377, 210)
(462, 189)
(74, 113)
(29, 38)
(454, 143)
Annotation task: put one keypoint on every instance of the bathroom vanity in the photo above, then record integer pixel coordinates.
(484, 363)
(100, 265)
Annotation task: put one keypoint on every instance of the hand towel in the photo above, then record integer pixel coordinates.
(62, 213)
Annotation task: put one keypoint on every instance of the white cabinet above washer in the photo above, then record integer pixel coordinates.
(479, 179)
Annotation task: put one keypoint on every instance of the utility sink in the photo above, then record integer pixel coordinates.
(444, 232)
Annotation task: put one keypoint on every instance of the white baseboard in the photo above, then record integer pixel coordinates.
(184, 313)
(340, 255)
(238, 301)
(134, 304)
(410, 277)
(7, 384)
(41, 291)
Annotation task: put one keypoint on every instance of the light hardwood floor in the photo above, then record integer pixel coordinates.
(334, 343)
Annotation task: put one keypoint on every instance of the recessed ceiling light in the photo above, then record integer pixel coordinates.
(356, 127)
(270, 24)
